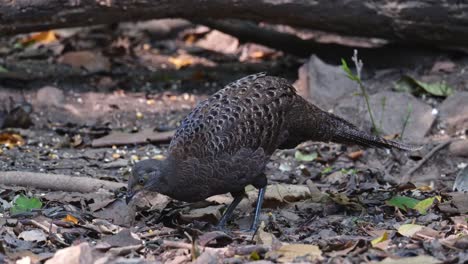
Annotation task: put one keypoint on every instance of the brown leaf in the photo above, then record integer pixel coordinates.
(181, 61)
(11, 140)
(219, 42)
(305, 252)
(219, 237)
(79, 254)
(356, 154)
(90, 61)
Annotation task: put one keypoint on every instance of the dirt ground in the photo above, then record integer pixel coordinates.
(90, 102)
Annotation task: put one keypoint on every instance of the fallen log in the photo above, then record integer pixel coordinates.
(438, 23)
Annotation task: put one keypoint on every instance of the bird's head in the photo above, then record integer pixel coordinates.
(147, 175)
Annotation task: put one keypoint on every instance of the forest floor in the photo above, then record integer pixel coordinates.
(90, 102)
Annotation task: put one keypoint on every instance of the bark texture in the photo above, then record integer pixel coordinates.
(443, 22)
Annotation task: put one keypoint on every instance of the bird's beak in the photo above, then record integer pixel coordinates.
(130, 195)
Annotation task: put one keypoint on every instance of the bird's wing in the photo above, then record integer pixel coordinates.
(247, 113)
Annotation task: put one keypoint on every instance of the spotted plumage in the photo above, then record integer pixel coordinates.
(224, 144)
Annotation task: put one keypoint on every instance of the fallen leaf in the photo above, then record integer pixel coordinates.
(259, 54)
(215, 237)
(278, 194)
(402, 202)
(41, 37)
(78, 254)
(71, 219)
(315, 194)
(220, 42)
(208, 214)
(356, 154)
(117, 211)
(424, 205)
(306, 253)
(425, 188)
(180, 61)
(11, 140)
(24, 204)
(411, 85)
(409, 230)
(380, 239)
(343, 199)
(35, 235)
(90, 61)
(411, 260)
(301, 156)
(122, 239)
(264, 238)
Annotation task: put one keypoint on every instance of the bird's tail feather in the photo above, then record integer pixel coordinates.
(353, 135)
(312, 123)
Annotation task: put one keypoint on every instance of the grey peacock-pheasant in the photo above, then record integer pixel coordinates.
(224, 144)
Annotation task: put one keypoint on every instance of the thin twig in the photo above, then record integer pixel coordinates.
(159, 233)
(407, 176)
(226, 251)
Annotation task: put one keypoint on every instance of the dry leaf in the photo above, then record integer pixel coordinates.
(90, 61)
(412, 260)
(306, 253)
(356, 154)
(278, 194)
(11, 140)
(264, 238)
(41, 37)
(180, 61)
(409, 230)
(70, 219)
(81, 253)
(257, 54)
(219, 42)
(36, 235)
(380, 239)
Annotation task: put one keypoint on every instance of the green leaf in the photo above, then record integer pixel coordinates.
(411, 85)
(382, 238)
(24, 204)
(327, 170)
(304, 156)
(424, 205)
(437, 89)
(348, 171)
(402, 202)
(348, 71)
(254, 256)
(3, 69)
(406, 84)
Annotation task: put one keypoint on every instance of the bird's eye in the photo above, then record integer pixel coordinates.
(141, 181)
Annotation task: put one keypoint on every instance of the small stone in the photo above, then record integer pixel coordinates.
(454, 112)
(12, 222)
(50, 96)
(459, 148)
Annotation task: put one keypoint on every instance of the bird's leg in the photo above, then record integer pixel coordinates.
(258, 208)
(227, 214)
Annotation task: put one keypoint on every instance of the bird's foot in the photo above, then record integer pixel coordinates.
(221, 227)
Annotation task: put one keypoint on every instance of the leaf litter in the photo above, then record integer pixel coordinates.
(324, 202)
